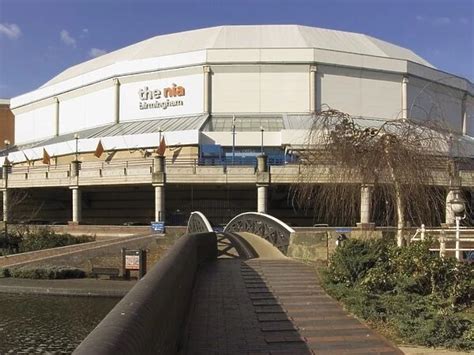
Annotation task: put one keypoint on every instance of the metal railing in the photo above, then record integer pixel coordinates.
(268, 227)
(198, 223)
(444, 236)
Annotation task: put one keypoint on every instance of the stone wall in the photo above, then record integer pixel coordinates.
(318, 244)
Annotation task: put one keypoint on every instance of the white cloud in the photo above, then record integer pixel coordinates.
(96, 52)
(440, 21)
(10, 30)
(67, 39)
(464, 20)
(436, 20)
(85, 30)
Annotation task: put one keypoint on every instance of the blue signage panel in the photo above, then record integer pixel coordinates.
(158, 227)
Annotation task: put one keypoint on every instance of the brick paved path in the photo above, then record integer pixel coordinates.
(262, 306)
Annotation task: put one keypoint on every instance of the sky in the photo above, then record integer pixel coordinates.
(41, 38)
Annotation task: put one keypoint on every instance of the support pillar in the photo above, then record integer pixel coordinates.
(76, 205)
(117, 100)
(159, 182)
(56, 116)
(5, 205)
(262, 199)
(313, 90)
(207, 89)
(450, 217)
(404, 110)
(366, 207)
(159, 203)
(263, 181)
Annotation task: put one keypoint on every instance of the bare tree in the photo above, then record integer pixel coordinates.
(405, 162)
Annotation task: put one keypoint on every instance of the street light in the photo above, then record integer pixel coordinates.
(458, 207)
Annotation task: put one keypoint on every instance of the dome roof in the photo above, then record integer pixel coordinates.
(239, 37)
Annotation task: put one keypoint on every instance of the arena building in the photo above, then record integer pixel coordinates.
(219, 96)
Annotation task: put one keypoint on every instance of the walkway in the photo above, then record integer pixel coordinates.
(271, 306)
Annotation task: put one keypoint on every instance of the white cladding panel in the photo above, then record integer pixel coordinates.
(131, 104)
(470, 116)
(36, 124)
(260, 88)
(86, 110)
(359, 92)
(435, 102)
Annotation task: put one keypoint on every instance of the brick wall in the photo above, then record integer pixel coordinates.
(7, 126)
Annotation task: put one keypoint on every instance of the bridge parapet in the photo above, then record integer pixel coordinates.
(264, 225)
(198, 223)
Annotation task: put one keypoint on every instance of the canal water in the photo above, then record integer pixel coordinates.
(38, 324)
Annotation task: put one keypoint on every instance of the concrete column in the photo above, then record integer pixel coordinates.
(313, 90)
(159, 203)
(450, 217)
(207, 89)
(56, 116)
(159, 182)
(117, 100)
(262, 199)
(365, 203)
(405, 98)
(5, 205)
(263, 180)
(464, 119)
(76, 205)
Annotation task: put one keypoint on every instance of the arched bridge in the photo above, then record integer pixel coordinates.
(231, 292)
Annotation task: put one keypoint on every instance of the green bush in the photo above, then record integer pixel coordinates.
(47, 272)
(38, 238)
(4, 272)
(418, 296)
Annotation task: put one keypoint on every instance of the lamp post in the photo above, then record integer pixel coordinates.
(261, 141)
(458, 207)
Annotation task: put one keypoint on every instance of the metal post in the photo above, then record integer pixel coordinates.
(442, 245)
(458, 252)
(261, 145)
(423, 230)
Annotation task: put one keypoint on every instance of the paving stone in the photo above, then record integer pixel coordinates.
(272, 307)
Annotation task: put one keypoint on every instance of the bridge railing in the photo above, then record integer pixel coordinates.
(198, 223)
(151, 317)
(264, 225)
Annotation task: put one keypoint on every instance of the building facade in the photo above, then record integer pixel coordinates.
(221, 95)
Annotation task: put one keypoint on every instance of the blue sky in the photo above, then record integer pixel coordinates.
(40, 38)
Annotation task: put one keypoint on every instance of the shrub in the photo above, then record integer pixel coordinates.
(37, 238)
(413, 293)
(355, 258)
(47, 272)
(4, 272)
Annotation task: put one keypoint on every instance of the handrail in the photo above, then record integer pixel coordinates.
(198, 223)
(264, 225)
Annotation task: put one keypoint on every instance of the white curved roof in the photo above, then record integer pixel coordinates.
(237, 37)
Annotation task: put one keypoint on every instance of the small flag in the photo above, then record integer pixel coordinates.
(162, 148)
(99, 150)
(46, 157)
